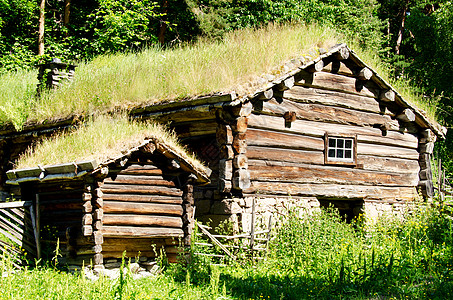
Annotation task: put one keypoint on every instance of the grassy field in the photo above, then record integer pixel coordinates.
(127, 80)
(310, 257)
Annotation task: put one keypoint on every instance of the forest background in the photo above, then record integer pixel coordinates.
(413, 37)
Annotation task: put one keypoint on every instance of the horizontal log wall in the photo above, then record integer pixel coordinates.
(286, 153)
(140, 209)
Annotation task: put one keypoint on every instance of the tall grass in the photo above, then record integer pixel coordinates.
(100, 138)
(154, 74)
(315, 256)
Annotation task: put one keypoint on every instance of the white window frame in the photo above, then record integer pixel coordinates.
(340, 149)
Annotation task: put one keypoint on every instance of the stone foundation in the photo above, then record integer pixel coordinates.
(238, 211)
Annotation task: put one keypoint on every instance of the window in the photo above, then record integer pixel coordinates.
(340, 149)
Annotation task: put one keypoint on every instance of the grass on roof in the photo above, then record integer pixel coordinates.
(102, 138)
(154, 75)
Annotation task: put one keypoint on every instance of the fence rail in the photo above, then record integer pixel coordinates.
(16, 219)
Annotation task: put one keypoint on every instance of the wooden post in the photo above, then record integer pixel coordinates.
(252, 228)
(35, 223)
(42, 8)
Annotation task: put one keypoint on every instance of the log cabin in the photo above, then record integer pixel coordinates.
(325, 129)
(140, 202)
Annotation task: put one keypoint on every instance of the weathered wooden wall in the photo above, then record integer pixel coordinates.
(287, 158)
(141, 209)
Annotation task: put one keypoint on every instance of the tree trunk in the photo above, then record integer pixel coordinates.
(400, 32)
(67, 6)
(42, 7)
(163, 24)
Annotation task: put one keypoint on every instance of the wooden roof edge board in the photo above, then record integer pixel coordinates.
(202, 174)
(421, 118)
(15, 204)
(50, 177)
(43, 171)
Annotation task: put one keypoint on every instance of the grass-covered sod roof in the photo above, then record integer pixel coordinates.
(155, 75)
(102, 139)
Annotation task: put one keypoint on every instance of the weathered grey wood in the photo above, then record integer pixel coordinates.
(87, 230)
(242, 110)
(333, 98)
(338, 67)
(142, 220)
(342, 53)
(15, 204)
(365, 74)
(131, 232)
(331, 114)
(427, 148)
(266, 95)
(87, 219)
(286, 84)
(406, 115)
(427, 188)
(225, 169)
(259, 137)
(224, 134)
(327, 174)
(239, 125)
(240, 161)
(142, 208)
(318, 129)
(140, 189)
(193, 129)
(336, 191)
(387, 96)
(241, 179)
(341, 83)
(143, 198)
(289, 155)
(386, 151)
(240, 143)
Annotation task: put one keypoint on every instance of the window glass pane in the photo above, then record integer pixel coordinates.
(331, 142)
(348, 144)
(348, 154)
(340, 143)
(339, 153)
(331, 153)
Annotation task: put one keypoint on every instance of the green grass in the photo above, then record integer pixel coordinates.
(311, 257)
(155, 75)
(101, 138)
(127, 80)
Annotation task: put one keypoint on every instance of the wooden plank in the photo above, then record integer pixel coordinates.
(327, 174)
(142, 220)
(386, 151)
(260, 137)
(143, 198)
(388, 164)
(142, 208)
(129, 245)
(318, 129)
(194, 129)
(114, 243)
(141, 171)
(125, 179)
(367, 162)
(15, 204)
(131, 232)
(332, 98)
(335, 191)
(331, 114)
(341, 83)
(140, 189)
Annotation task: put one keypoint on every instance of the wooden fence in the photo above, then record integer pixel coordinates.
(252, 244)
(444, 186)
(18, 230)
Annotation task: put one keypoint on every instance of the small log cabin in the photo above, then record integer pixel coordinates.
(139, 202)
(324, 129)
